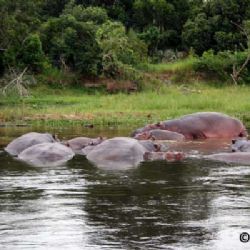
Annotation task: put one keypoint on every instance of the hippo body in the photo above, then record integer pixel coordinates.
(238, 157)
(27, 140)
(79, 143)
(147, 144)
(87, 150)
(122, 153)
(241, 145)
(160, 134)
(117, 153)
(47, 154)
(202, 125)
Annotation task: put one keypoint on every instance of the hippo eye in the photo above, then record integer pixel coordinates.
(233, 141)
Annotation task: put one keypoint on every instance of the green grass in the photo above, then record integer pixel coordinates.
(62, 107)
(177, 66)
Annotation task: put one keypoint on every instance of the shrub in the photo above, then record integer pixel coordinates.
(120, 51)
(72, 43)
(32, 54)
(221, 64)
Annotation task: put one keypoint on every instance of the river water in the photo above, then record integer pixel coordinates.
(192, 204)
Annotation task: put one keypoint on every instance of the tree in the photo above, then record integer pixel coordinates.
(31, 53)
(67, 40)
(18, 20)
(211, 26)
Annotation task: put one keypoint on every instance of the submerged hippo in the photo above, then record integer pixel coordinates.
(238, 157)
(165, 156)
(79, 143)
(201, 126)
(160, 134)
(120, 153)
(44, 154)
(27, 140)
(240, 145)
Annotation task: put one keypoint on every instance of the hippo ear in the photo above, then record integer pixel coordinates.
(152, 138)
(157, 147)
(55, 137)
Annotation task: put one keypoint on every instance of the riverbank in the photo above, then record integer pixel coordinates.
(57, 107)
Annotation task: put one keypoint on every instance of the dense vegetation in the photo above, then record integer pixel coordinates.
(65, 40)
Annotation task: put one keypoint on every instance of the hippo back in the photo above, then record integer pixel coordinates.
(203, 125)
(117, 153)
(46, 154)
(238, 157)
(27, 140)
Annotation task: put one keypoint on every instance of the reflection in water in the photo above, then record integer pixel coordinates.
(188, 205)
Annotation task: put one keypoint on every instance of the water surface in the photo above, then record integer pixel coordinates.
(189, 205)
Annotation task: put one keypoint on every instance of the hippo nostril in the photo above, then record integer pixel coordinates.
(233, 150)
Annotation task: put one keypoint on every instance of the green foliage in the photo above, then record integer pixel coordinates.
(197, 33)
(151, 36)
(94, 37)
(32, 54)
(90, 14)
(120, 51)
(215, 26)
(57, 78)
(71, 43)
(221, 64)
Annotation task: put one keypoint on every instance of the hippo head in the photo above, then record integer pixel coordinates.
(240, 145)
(148, 127)
(243, 133)
(166, 156)
(97, 141)
(143, 136)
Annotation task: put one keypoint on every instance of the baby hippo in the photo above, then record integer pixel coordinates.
(159, 134)
(240, 145)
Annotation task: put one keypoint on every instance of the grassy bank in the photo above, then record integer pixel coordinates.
(74, 106)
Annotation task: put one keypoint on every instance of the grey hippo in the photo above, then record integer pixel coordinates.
(160, 134)
(201, 125)
(47, 154)
(79, 143)
(237, 157)
(27, 140)
(122, 153)
(240, 145)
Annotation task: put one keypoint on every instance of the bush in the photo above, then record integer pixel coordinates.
(221, 64)
(120, 51)
(72, 43)
(57, 78)
(32, 54)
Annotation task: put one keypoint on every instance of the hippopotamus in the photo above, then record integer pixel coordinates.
(240, 145)
(201, 125)
(160, 134)
(27, 140)
(47, 154)
(167, 156)
(120, 153)
(147, 144)
(237, 157)
(79, 143)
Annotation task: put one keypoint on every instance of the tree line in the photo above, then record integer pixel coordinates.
(110, 37)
